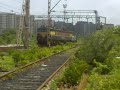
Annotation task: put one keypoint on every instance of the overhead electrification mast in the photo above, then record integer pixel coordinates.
(24, 24)
(49, 19)
(49, 22)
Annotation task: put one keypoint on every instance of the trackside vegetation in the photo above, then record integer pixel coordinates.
(16, 58)
(105, 74)
(98, 56)
(8, 37)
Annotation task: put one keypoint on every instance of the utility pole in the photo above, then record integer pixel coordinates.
(97, 20)
(49, 19)
(88, 25)
(64, 6)
(49, 22)
(24, 24)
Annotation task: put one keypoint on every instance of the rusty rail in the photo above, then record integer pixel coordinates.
(8, 75)
(54, 74)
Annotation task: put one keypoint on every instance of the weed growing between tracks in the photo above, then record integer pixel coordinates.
(17, 58)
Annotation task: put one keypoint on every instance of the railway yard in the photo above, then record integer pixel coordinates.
(71, 66)
(72, 49)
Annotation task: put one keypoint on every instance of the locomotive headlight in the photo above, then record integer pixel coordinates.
(52, 33)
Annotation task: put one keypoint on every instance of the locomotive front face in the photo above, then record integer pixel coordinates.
(52, 33)
(42, 35)
(55, 36)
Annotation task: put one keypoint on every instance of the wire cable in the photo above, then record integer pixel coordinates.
(8, 6)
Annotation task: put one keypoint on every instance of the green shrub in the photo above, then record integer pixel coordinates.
(54, 85)
(97, 46)
(17, 56)
(22, 57)
(6, 63)
(110, 81)
(73, 73)
(101, 68)
(23, 62)
(106, 82)
(8, 36)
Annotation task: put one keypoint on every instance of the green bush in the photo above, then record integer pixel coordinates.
(57, 48)
(102, 51)
(97, 46)
(101, 68)
(54, 85)
(23, 62)
(22, 57)
(109, 81)
(17, 58)
(6, 63)
(73, 73)
(8, 36)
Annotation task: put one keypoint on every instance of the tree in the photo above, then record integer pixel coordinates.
(97, 46)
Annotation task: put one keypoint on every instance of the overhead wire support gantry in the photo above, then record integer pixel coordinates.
(78, 14)
(67, 16)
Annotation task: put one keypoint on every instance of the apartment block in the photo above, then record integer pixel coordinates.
(7, 20)
(11, 20)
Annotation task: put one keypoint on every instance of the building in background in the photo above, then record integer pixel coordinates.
(84, 28)
(32, 20)
(64, 26)
(60, 24)
(81, 28)
(7, 20)
(12, 21)
(108, 26)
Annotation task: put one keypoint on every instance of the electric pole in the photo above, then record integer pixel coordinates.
(49, 19)
(65, 6)
(49, 22)
(24, 24)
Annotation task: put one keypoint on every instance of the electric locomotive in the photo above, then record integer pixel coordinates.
(54, 36)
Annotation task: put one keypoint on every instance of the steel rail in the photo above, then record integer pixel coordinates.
(15, 71)
(54, 74)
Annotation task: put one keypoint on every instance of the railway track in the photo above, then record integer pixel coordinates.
(36, 76)
(5, 49)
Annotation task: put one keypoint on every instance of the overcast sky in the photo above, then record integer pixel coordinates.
(107, 8)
